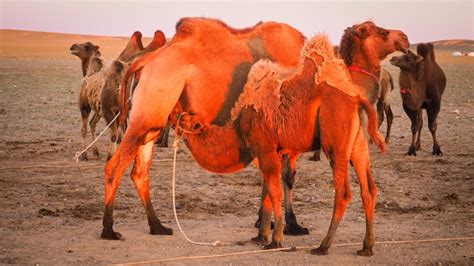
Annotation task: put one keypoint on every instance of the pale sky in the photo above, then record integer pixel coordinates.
(422, 20)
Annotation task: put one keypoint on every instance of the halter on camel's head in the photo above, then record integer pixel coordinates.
(372, 41)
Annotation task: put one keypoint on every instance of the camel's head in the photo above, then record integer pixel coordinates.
(372, 40)
(407, 61)
(85, 50)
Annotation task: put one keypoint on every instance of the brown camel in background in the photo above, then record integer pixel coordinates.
(182, 76)
(85, 51)
(281, 112)
(422, 83)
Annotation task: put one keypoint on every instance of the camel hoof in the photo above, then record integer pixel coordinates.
(273, 245)
(257, 224)
(111, 235)
(319, 251)
(96, 153)
(260, 240)
(160, 230)
(365, 252)
(162, 145)
(437, 151)
(295, 230)
(411, 151)
(83, 157)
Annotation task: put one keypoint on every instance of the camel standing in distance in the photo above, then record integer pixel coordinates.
(422, 83)
(182, 76)
(301, 104)
(91, 96)
(85, 51)
(383, 101)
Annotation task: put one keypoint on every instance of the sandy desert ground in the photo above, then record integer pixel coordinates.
(51, 206)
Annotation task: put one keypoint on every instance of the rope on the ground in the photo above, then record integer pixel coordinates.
(175, 146)
(293, 249)
(66, 164)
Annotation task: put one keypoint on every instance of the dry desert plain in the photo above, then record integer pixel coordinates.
(51, 207)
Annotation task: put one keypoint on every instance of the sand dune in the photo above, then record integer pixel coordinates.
(18, 43)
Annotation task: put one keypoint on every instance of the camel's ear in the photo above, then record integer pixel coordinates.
(96, 47)
(418, 58)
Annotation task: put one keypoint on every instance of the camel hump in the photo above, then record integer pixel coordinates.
(331, 70)
(195, 25)
(262, 90)
(423, 50)
(320, 45)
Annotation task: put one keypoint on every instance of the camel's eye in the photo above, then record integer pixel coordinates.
(87, 48)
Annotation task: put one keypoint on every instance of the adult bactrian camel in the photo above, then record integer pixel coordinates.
(422, 83)
(182, 76)
(281, 112)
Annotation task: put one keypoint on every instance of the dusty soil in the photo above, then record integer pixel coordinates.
(51, 206)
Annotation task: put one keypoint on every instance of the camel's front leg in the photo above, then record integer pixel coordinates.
(93, 125)
(270, 165)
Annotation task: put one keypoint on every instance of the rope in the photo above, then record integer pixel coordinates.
(76, 157)
(64, 164)
(175, 146)
(294, 249)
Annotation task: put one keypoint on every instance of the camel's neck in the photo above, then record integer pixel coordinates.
(411, 95)
(218, 149)
(85, 65)
(371, 63)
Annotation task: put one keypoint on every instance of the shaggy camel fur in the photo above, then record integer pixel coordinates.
(422, 83)
(182, 76)
(279, 113)
(92, 98)
(85, 51)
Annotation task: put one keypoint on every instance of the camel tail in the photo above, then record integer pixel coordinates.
(372, 126)
(124, 91)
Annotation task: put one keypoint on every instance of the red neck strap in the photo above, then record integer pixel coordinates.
(363, 71)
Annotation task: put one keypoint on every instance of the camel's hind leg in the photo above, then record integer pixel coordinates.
(93, 124)
(140, 177)
(360, 159)
(288, 177)
(342, 198)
